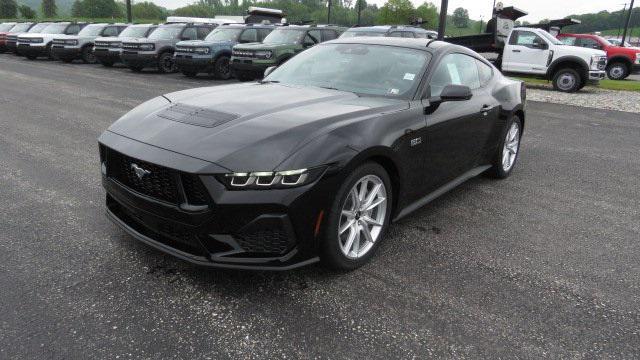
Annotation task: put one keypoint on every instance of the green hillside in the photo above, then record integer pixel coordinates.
(64, 6)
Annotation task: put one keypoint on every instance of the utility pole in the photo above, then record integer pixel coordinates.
(359, 3)
(128, 4)
(626, 25)
(329, 12)
(624, 8)
(443, 19)
(480, 30)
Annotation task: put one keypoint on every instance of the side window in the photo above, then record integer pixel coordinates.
(407, 34)
(203, 32)
(568, 40)
(589, 43)
(110, 31)
(395, 34)
(329, 35)
(455, 69)
(485, 72)
(73, 29)
(249, 36)
(262, 33)
(315, 35)
(524, 38)
(421, 35)
(189, 34)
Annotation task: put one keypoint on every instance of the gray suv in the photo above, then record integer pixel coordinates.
(157, 49)
(71, 47)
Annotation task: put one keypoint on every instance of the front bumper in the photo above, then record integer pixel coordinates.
(596, 75)
(139, 59)
(635, 69)
(193, 63)
(65, 53)
(31, 50)
(12, 46)
(259, 230)
(106, 54)
(248, 65)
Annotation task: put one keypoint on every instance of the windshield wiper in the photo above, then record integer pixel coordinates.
(268, 81)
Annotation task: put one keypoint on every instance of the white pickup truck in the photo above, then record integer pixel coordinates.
(531, 51)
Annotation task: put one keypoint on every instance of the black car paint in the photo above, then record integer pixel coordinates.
(427, 148)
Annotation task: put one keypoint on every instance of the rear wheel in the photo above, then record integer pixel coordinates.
(617, 71)
(566, 80)
(222, 68)
(507, 153)
(87, 55)
(166, 64)
(358, 218)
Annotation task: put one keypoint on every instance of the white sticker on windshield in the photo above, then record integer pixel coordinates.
(394, 91)
(409, 76)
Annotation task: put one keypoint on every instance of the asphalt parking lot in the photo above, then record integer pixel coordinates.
(543, 264)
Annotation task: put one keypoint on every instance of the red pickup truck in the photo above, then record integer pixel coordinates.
(622, 61)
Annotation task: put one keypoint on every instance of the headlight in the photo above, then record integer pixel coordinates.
(147, 47)
(202, 50)
(263, 180)
(266, 54)
(598, 62)
(637, 58)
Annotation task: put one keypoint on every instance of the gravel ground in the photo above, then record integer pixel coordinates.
(544, 264)
(590, 97)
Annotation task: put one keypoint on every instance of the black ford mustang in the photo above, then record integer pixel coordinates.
(313, 162)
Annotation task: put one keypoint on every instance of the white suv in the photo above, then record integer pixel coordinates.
(37, 45)
(71, 47)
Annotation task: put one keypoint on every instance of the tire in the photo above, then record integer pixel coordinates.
(499, 170)
(244, 76)
(189, 74)
(617, 70)
(87, 55)
(222, 68)
(166, 64)
(136, 68)
(566, 80)
(333, 243)
(107, 63)
(50, 55)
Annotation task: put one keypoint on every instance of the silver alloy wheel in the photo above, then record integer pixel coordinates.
(510, 149)
(617, 72)
(566, 81)
(363, 215)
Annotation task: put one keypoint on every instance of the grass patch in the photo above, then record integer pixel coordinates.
(625, 85)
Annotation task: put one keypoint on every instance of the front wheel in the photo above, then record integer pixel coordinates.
(617, 71)
(166, 64)
(244, 76)
(507, 153)
(222, 68)
(358, 219)
(566, 80)
(87, 55)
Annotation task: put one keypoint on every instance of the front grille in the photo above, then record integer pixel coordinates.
(185, 49)
(107, 44)
(264, 241)
(130, 46)
(602, 64)
(59, 41)
(12, 38)
(153, 180)
(243, 53)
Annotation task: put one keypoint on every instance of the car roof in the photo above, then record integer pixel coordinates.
(385, 28)
(429, 45)
(237, 25)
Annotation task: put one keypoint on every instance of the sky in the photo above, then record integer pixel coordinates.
(537, 9)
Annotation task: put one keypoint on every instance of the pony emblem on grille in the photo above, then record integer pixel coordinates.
(140, 172)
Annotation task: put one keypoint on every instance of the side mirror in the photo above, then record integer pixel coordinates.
(537, 44)
(449, 93)
(269, 70)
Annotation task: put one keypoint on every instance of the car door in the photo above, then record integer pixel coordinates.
(527, 52)
(457, 131)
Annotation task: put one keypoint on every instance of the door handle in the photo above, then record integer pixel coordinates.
(514, 50)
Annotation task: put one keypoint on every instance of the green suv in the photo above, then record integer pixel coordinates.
(249, 61)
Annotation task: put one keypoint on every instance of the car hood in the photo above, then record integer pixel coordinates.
(204, 43)
(247, 127)
(66, 37)
(581, 51)
(260, 46)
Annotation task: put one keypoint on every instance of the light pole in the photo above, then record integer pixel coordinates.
(626, 25)
(443, 19)
(624, 8)
(329, 12)
(128, 5)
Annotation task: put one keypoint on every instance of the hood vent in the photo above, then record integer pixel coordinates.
(196, 116)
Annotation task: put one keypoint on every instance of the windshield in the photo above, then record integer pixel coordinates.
(91, 30)
(350, 34)
(55, 29)
(134, 32)
(20, 28)
(282, 36)
(37, 28)
(362, 69)
(6, 27)
(550, 37)
(166, 32)
(227, 34)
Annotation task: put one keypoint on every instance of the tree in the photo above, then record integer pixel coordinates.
(49, 8)
(27, 12)
(76, 9)
(461, 18)
(96, 9)
(196, 10)
(429, 15)
(8, 9)
(148, 10)
(397, 12)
